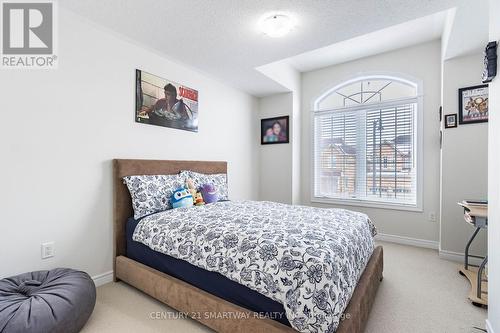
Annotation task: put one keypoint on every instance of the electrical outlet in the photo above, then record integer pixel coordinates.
(47, 250)
(432, 217)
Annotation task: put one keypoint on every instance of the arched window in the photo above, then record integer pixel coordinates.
(365, 143)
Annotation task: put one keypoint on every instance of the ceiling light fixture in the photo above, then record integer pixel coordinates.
(277, 25)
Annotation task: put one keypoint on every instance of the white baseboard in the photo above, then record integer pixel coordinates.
(408, 241)
(103, 278)
(488, 327)
(458, 257)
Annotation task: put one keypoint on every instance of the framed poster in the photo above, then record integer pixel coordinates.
(450, 120)
(274, 130)
(161, 102)
(473, 104)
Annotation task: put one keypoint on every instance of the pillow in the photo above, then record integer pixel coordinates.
(151, 194)
(218, 179)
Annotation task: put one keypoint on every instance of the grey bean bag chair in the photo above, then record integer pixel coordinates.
(60, 300)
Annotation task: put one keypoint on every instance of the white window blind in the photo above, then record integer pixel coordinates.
(367, 153)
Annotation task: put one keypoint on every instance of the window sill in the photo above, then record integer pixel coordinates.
(368, 204)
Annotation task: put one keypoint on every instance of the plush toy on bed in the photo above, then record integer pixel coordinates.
(191, 188)
(198, 199)
(209, 193)
(181, 198)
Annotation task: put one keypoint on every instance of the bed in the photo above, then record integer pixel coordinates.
(204, 302)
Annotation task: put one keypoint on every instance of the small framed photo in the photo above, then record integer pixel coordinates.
(473, 104)
(274, 130)
(450, 120)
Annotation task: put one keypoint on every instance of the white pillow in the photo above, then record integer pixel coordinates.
(218, 179)
(151, 194)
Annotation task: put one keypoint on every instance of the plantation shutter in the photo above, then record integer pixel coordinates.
(366, 153)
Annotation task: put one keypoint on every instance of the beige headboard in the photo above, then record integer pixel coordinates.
(122, 202)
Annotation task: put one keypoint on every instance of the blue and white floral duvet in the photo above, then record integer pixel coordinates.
(309, 259)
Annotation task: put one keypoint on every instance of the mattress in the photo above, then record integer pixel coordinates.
(211, 282)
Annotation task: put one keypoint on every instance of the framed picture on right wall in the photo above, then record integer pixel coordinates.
(473, 104)
(450, 120)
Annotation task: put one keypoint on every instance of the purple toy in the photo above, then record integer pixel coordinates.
(209, 193)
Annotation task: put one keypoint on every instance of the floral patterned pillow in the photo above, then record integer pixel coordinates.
(151, 194)
(218, 179)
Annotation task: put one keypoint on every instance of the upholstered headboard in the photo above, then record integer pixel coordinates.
(122, 202)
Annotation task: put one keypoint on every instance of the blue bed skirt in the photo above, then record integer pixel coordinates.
(211, 282)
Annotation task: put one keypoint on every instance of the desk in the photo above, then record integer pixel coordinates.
(476, 214)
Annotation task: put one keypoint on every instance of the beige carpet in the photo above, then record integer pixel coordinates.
(419, 293)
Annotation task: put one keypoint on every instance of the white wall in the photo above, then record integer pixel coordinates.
(280, 164)
(464, 158)
(494, 185)
(61, 128)
(421, 62)
(276, 159)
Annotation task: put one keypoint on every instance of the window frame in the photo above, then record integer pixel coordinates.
(418, 100)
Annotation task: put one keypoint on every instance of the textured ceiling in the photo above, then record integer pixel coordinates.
(220, 37)
(421, 30)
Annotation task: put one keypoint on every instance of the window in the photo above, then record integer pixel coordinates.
(365, 143)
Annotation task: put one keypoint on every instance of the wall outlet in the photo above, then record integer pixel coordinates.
(47, 250)
(432, 217)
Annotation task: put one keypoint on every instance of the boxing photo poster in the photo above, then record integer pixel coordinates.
(165, 103)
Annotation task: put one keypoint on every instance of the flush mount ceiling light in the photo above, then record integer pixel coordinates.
(276, 25)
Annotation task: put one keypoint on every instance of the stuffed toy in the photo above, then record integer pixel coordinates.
(191, 189)
(198, 199)
(209, 193)
(181, 198)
